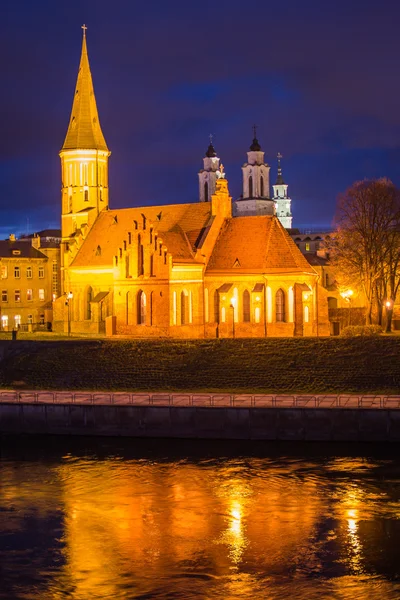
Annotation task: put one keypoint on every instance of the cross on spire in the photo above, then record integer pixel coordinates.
(211, 138)
(84, 29)
(255, 131)
(279, 156)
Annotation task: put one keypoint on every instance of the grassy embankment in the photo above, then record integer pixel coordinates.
(301, 365)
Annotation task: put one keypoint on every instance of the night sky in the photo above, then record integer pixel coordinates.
(320, 79)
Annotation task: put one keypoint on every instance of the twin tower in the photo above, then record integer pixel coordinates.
(255, 199)
(84, 167)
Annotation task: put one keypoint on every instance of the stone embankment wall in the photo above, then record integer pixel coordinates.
(314, 424)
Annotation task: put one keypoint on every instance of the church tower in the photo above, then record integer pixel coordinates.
(255, 172)
(283, 202)
(208, 175)
(84, 156)
(255, 199)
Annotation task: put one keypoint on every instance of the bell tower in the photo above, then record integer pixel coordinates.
(84, 156)
(208, 175)
(283, 202)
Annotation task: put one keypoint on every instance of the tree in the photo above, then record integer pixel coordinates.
(365, 248)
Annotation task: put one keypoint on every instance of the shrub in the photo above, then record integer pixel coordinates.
(361, 330)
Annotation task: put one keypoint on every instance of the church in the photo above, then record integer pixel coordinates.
(214, 268)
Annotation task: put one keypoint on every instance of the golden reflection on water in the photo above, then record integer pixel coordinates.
(146, 524)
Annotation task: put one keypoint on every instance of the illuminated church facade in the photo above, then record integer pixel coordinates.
(214, 268)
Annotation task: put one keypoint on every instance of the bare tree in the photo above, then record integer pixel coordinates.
(366, 246)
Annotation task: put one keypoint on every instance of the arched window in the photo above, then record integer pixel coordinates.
(280, 305)
(184, 307)
(206, 191)
(246, 306)
(216, 306)
(127, 265)
(89, 298)
(141, 308)
(262, 186)
(250, 186)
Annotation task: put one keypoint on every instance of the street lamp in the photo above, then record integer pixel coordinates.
(346, 295)
(389, 306)
(69, 297)
(232, 306)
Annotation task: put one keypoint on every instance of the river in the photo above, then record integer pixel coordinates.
(92, 518)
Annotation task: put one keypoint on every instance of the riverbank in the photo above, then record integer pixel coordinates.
(269, 366)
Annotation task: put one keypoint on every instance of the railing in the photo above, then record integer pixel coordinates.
(201, 399)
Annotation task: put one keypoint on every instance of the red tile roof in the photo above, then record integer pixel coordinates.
(258, 244)
(178, 225)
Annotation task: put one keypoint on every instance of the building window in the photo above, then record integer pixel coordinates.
(29, 295)
(4, 296)
(326, 279)
(41, 319)
(41, 294)
(257, 313)
(17, 295)
(41, 272)
(223, 314)
(141, 308)
(86, 195)
(280, 306)
(262, 186)
(184, 307)
(216, 306)
(29, 272)
(3, 272)
(4, 322)
(88, 309)
(206, 191)
(30, 319)
(246, 306)
(127, 270)
(17, 321)
(307, 246)
(250, 186)
(17, 272)
(152, 266)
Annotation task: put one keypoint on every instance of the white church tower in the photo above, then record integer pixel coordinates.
(283, 202)
(255, 199)
(208, 175)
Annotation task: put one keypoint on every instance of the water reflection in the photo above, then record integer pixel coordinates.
(88, 527)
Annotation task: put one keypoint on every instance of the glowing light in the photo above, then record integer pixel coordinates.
(388, 303)
(257, 298)
(347, 294)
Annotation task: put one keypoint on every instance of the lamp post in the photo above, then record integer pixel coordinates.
(389, 307)
(346, 295)
(232, 306)
(69, 297)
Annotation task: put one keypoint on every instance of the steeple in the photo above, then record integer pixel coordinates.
(84, 157)
(208, 175)
(255, 171)
(84, 131)
(279, 179)
(283, 202)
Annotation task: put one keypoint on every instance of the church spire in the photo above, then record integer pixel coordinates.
(279, 179)
(84, 131)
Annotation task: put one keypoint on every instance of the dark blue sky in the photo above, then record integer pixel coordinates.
(320, 79)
